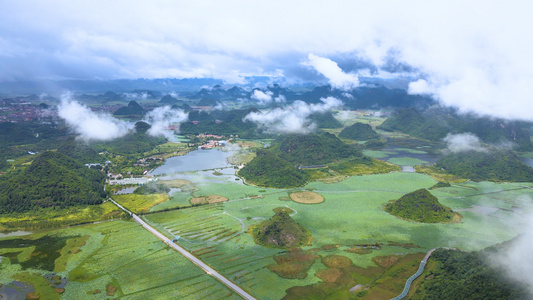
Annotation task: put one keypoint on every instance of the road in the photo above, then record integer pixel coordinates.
(412, 278)
(207, 269)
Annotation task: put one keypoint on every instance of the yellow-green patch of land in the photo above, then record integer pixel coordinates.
(140, 203)
(72, 247)
(438, 174)
(56, 217)
(22, 256)
(42, 286)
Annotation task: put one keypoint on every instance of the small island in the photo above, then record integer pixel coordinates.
(280, 231)
(421, 206)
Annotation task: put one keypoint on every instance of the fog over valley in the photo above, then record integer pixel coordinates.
(287, 149)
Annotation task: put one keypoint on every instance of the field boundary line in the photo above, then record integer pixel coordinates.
(207, 269)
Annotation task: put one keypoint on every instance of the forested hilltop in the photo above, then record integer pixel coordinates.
(313, 149)
(269, 170)
(435, 124)
(294, 159)
(468, 275)
(52, 180)
(491, 165)
(420, 206)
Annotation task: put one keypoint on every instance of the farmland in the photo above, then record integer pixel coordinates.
(119, 259)
(217, 233)
(354, 241)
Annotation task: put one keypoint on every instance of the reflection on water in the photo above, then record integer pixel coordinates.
(195, 161)
(408, 169)
(14, 233)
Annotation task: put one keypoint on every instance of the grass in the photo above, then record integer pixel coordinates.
(53, 217)
(378, 153)
(114, 252)
(140, 203)
(352, 215)
(128, 248)
(41, 284)
(438, 174)
(71, 248)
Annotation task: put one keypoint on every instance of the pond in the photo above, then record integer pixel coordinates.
(197, 160)
(14, 233)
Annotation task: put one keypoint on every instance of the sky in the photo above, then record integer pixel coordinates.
(473, 55)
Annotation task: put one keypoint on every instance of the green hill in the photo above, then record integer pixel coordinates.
(359, 132)
(458, 274)
(420, 206)
(133, 108)
(325, 120)
(280, 231)
(435, 124)
(168, 99)
(491, 165)
(79, 151)
(313, 149)
(52, 180)
(269, 170)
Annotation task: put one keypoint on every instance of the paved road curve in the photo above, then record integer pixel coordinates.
(412, 278)
(207, 269)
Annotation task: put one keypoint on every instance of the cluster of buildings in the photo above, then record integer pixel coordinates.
(20, 110)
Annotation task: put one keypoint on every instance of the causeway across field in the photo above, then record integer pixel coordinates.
(207, 269)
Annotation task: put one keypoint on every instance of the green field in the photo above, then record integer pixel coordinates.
(351, 215)
(124, 260)
(121, 259)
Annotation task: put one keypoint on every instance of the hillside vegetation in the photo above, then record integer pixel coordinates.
(420, 206)
(80, 151)
(133, 108)
(491, 165)
(313, 149)
(280, 231)
(269, 170)
(467, 275)
(435, 124)
(52, 180)
(359, 132)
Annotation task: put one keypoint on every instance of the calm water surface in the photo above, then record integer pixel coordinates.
(195, 161)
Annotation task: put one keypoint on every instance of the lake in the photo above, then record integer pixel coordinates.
(195, 161)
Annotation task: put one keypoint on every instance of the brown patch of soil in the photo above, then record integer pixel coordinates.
(329, 275)
(337, 261)
(111, 290)
(385, 261)
(358, 250)
(293, 264)
(60, 290)
(208, 199)
(32, 296)
(307, 197)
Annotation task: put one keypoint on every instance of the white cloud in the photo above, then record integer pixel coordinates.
(515, 259)
(419, 87)
(292, 118)
(464, 142)
(161, 117)
(480, 61)
(88, 124)
(336, 77)
(262, 97)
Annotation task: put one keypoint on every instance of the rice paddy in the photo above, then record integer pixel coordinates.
(354, 241)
